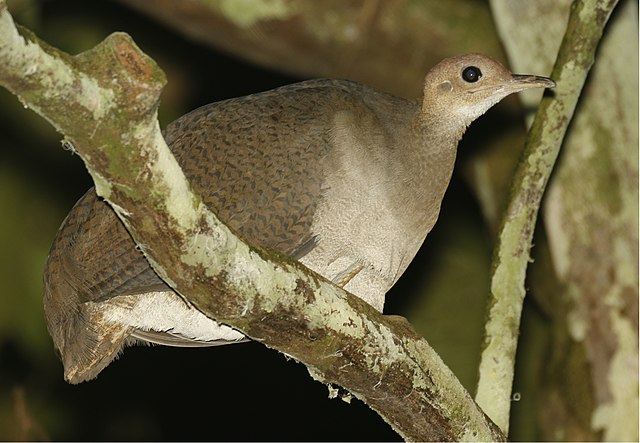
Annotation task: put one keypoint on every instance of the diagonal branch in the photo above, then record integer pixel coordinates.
(575, 58)
(105, 101)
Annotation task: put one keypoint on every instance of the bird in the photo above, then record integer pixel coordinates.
(343, 178)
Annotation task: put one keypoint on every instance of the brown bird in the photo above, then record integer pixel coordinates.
(339, 176)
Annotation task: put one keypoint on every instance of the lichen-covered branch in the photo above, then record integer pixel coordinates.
(104, 101)
(575, 58)
(589, 387)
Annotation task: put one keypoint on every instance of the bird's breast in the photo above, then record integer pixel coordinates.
(367, 228)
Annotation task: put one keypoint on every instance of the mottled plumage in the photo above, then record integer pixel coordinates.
(346, 179)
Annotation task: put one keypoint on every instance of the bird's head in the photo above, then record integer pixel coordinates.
(460, 89)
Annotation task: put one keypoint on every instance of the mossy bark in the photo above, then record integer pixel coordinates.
(511, 258)
(591, 218)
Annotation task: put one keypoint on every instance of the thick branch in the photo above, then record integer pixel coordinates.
(575, 58)
(110, 96)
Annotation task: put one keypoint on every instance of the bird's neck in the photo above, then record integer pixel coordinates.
(431, 121)
(428, 167)
(436, 144)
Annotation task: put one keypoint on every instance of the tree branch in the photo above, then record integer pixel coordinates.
(575, 58)
(105, 101)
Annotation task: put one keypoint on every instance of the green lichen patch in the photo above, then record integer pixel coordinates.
(247, 13)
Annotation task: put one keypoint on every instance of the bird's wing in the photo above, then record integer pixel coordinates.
(257, 162)
(95, 253)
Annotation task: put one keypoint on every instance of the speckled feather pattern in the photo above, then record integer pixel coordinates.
(346, 179)
(96, 251)
(259, 162)
(262, 176)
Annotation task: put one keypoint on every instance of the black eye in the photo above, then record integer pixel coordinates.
(471, 74)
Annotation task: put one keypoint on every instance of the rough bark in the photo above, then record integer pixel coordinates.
(511, 257)
(591, 216)
(590, 387)
(105, 101)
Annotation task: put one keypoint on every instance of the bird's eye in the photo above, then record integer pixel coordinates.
(471, 74)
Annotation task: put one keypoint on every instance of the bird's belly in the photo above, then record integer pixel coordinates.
(362, 244)
(165, 311)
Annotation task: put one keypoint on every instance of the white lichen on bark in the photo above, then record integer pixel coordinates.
(575, 57)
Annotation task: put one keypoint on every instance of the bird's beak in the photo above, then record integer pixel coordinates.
(522, 82)
(515, 84)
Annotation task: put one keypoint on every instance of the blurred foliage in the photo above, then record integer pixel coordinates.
(363, 40)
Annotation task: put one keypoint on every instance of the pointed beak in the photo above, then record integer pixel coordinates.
(516, 83)
(521, 82)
